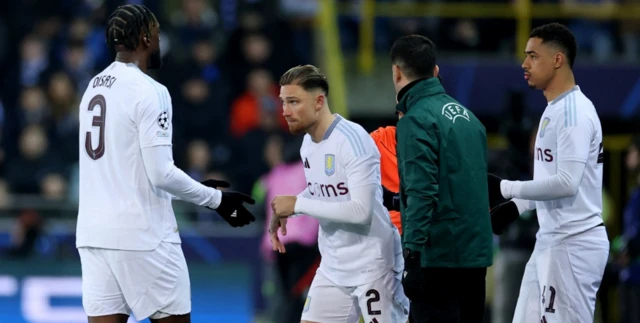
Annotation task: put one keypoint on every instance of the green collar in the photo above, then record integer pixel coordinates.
(418, 89)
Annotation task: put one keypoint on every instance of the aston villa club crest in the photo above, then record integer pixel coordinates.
(543, 126)
(329, 164)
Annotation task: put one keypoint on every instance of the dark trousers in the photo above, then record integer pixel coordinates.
(452, 295)
(296, 269)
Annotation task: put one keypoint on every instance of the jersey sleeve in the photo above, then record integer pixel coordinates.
(574, 130)
(153, 119)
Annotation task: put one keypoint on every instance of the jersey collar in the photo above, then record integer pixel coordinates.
(564, 94)
(332, 126)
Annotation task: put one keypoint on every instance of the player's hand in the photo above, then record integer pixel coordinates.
(412, 278)
(276, 223)
(390, 200)
(232, 209)
(283, 206)
(502, 215)
(495, 193)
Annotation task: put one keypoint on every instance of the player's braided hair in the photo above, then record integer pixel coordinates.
(125, 24)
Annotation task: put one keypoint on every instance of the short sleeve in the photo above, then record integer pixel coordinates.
(359, 156)
(574, 130)
(154, 118)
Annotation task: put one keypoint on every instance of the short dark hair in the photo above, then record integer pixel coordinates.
(308, 77)
(125, 24)
(416, 56)
(558, 35)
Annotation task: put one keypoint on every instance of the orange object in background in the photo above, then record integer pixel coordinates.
(385, 139)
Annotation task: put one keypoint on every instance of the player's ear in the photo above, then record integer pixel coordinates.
(436, 71)
(397, 73)
(558, 60)
(320, 100)
(145, 38)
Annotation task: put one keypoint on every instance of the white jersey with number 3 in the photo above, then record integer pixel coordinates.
(122, 112)
(569, 131)
(347, 158)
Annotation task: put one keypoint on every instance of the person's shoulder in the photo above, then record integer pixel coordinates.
(353, 139)
(383, 133)
(574, 109)
(350, 129)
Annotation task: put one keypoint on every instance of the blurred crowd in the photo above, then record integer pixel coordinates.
(602, 40)
(222, 62)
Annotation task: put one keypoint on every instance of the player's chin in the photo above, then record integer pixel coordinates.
(295, 128)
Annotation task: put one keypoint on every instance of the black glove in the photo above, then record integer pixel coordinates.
(231, 207)
(502, 215)
(495, 194)
(390, 200)
(412, 278)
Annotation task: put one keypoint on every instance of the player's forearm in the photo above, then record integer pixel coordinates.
(355, 211)
(564, 183)
(163, 174)
(416, 222)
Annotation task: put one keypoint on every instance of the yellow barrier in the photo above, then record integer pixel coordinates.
(522, 11)
(331, 57)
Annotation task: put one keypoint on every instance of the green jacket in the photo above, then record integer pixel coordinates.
(442, 160)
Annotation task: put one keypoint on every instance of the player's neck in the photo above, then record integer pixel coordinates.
(563, 82)
(131, 57)
(322, 125)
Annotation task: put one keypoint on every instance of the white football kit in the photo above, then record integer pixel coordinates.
(565, 270)
(361, 266)
(127, 234)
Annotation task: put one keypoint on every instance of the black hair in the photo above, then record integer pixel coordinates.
(308, 77)
(125, 24)
(558, 35)
(416, 56)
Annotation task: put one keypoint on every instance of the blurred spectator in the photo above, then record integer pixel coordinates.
(301, 15)
(27, 230)
(53, 187)
(33, 107)
(34, 60)
(194, 20)
(24, 172)
(198, 114)
(297, 266)
(199, 159)
(258, 107)
(64, 117)
(78, 63)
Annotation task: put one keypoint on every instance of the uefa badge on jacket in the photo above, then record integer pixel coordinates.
(329, 164)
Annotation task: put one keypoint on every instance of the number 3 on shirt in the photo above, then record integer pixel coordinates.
(97, 101)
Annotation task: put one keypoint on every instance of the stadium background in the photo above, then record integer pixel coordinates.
(222, 59)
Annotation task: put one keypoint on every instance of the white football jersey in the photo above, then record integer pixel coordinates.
(123, 111)
(569, 131)
(345, 159)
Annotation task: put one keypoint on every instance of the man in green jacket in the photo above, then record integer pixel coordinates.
(444, 202)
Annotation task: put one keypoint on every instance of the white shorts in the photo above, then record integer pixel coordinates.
(380, 301)
(560, 282)
(151, 284)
